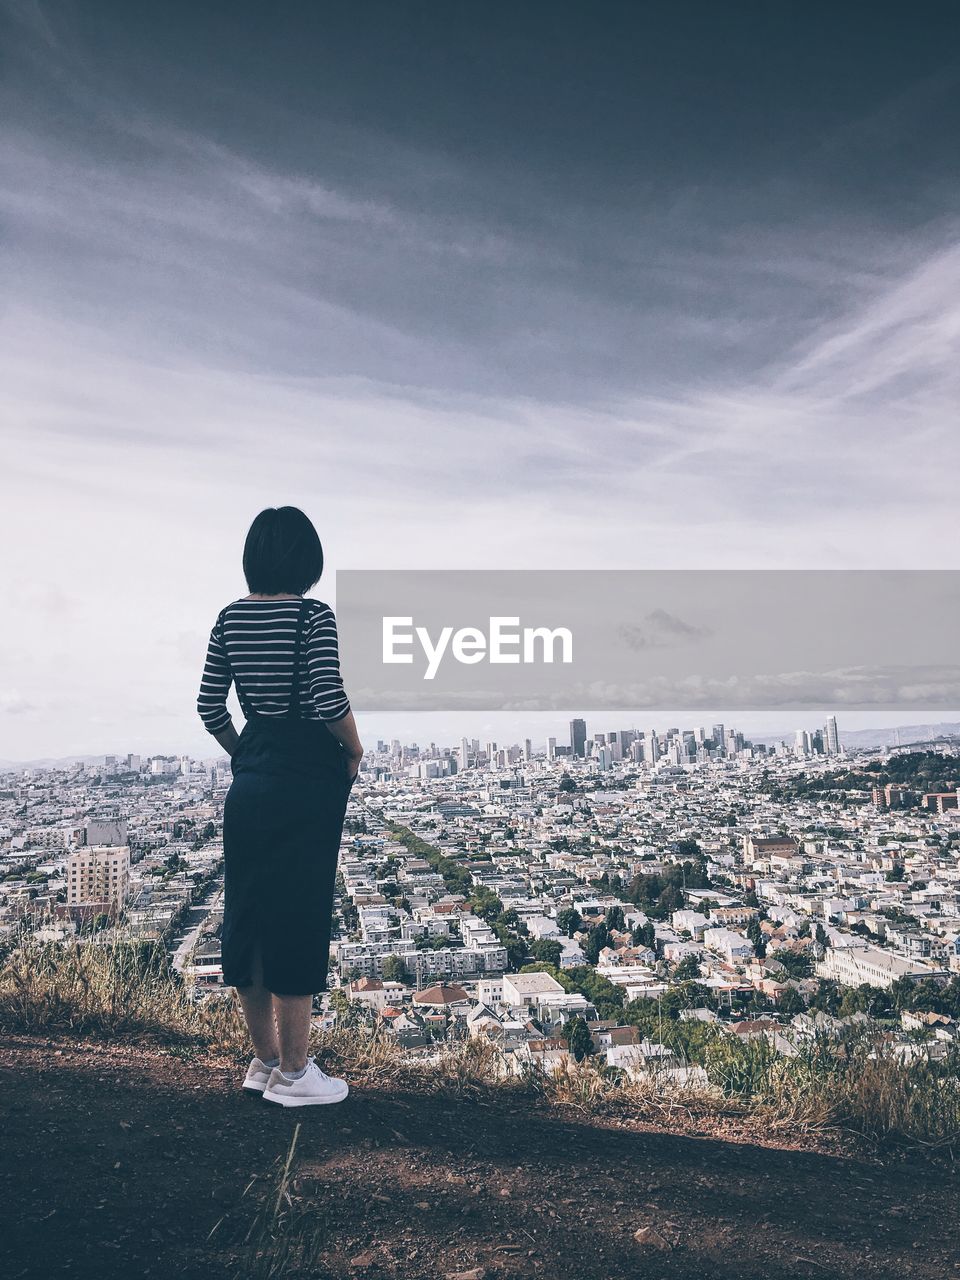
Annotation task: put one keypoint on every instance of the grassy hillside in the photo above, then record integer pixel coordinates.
(132, 1151)
(128, 992)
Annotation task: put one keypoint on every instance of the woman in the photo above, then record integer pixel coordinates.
(293, 766)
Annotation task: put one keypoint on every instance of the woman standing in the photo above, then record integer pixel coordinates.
(293, 766)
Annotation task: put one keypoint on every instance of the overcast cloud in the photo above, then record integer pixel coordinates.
(680, 288)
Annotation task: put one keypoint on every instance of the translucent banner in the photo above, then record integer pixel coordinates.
(445, 640)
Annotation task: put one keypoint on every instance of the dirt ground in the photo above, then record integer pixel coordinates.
(128, 1161)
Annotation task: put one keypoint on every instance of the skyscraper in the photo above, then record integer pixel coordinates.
(831, 737)
(578, 737)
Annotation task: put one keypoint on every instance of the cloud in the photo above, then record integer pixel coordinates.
(880, 688)
(13, 703)
(661, 630)
(451, 359)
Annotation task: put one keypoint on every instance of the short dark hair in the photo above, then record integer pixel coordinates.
(282, 553)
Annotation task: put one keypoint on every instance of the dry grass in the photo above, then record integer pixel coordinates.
(280, 1239)
(871, 1092)
(109, 989)
(116, 989)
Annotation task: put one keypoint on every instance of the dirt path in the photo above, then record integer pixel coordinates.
(120, 1161)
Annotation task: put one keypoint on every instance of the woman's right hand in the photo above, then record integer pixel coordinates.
(345, 732)
(353, 759)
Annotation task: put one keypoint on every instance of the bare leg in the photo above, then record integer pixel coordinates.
(293, 1019)
(257, 1004)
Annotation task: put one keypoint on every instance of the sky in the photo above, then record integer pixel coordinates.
(625, 285)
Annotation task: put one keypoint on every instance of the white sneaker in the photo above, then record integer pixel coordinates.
(312, 1089)
(258, 1073)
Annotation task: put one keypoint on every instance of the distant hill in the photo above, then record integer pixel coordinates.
(861, 739)
(901, 735)
(50, 762)
(852, 738)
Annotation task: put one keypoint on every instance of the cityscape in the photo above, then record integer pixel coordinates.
(481, 556)
(611, 895)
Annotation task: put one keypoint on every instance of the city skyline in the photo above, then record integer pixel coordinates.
(506, 292)
(858, 734)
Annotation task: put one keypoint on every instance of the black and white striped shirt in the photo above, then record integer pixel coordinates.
(259, 636)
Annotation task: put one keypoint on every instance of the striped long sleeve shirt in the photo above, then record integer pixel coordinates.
(259, 637)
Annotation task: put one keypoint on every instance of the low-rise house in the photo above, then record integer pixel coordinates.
(482, 1020)
(444, 996)
(368, 991)
(732, 946)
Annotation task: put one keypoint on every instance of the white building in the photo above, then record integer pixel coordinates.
(732, 946)
(523, 989)
(542, 927)
(691, 921)
(852, 966)
(98, 874)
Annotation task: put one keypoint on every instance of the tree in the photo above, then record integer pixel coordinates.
(826, 998)
(644, 935)
(394, 970)
(756, 936)
(597, 939)
(567, 783)
(569, 921)
(689, 849)
(516, 952)
(796, 964)
(577, 1036)
(688, 995)
(671, 900)
(791, 1003)
(339, 1003)
(874, 1001)
(604, 995)
(485, 903)
(615, 918)
(687, 970)
(548, 950)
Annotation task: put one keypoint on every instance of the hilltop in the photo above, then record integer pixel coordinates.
(127, 1158)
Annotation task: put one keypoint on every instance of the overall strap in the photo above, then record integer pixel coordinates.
(226, 657)
(293, 710)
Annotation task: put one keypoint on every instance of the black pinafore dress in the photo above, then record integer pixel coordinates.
(282, 822)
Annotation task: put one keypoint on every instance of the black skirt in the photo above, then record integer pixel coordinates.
(282, 822)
